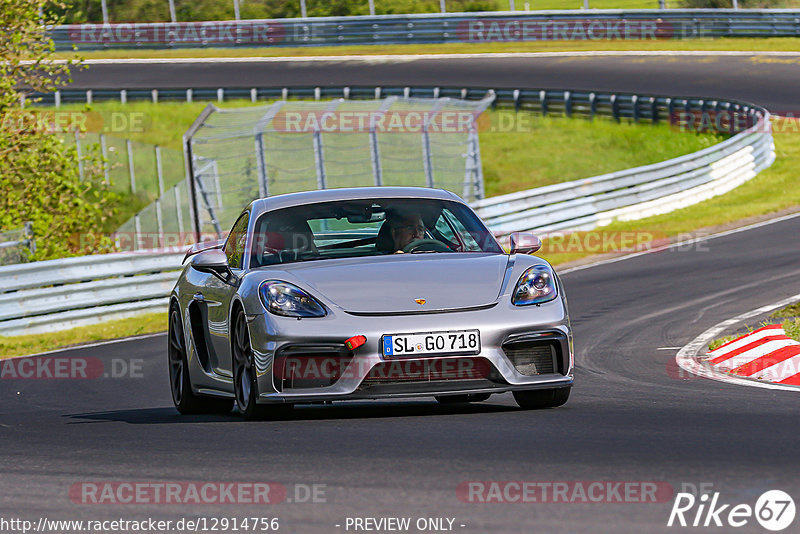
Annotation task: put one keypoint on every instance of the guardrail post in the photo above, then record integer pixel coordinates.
(654, 110)
(378, 93)
(154, 96)
(253, 95)
(189, 95)
(131, 170)
(123, 96)
(543, 102)
(317, 93)
(57, 99)
(80, 153)
(285, 93)
(89, 95)
(614, 108)
(220, 94)
(592, 105)
(346, 93)
(635, 107)
(567, 103)
(515, 95)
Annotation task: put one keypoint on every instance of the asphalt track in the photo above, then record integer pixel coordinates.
(632, 416)
(771, 81)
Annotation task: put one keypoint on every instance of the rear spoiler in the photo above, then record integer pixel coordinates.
(204, 245)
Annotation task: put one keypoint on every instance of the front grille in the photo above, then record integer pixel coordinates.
(414, 371)
(531, 358)
(309, 366)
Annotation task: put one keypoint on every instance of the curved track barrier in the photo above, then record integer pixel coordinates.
(646, 24)
(94, 288)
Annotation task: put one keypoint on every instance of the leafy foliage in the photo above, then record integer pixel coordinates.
(39, 174)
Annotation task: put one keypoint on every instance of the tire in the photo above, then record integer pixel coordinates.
(245, 383)
(541, 398)
(461, 399)
(183, 397)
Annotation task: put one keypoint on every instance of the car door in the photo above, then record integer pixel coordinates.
(218, 294)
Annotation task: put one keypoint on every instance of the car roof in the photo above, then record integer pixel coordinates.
(350, 193)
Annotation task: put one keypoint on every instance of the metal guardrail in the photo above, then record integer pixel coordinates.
(633, 193)
(645, 24)
(60, 294)
(54, 295)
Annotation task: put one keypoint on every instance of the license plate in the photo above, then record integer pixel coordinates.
(454, 342)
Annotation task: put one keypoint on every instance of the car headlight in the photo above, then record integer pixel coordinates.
(535, 286)
(283, 298)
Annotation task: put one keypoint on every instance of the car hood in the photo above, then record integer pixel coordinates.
(391, 284)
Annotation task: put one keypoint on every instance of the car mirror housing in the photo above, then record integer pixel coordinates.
(524, 243)
(212, 261)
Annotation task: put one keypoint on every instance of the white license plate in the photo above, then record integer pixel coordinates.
(454, 342)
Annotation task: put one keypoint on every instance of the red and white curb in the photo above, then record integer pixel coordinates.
(765, 358)
(764, 354)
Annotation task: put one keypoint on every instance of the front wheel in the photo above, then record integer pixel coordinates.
(180, 383)
(541, 398)
(245, 383)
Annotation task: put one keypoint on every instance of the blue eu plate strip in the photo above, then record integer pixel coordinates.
(387, 346)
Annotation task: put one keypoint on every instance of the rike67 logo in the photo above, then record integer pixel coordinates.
(774, 510)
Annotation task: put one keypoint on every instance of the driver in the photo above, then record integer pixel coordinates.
(405, 228)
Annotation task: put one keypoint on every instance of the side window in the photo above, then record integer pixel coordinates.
(469, 242)
(234, 247)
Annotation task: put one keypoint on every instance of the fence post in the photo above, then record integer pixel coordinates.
(261, 166)
(159, 215)
(319, 158)
(172, 16)
(426, 156)
(372, 8)
(104, 151)
(303, 12)
(178, 210)
(80, 154)
(131, 170)
(137, 230)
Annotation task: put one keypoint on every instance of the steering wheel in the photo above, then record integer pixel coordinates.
(426, 245)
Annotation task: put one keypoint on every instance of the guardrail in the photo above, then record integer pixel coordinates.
(92, 288)
(54, 295)
(513, 26)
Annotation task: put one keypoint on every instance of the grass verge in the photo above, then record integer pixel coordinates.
(36, 343)
(786, 44)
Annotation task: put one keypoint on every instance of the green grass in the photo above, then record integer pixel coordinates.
(744, 44)
(793, 310)
(36, 343)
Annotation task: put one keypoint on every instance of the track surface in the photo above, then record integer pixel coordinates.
(632, 417)
(771, 81)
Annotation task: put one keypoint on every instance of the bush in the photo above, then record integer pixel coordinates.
(39, 174)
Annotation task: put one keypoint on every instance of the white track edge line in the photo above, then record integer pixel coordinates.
(414, 57)
(687, 356)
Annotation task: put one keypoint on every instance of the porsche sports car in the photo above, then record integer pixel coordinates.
(365, 293)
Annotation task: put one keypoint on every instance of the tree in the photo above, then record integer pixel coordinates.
(39, 174)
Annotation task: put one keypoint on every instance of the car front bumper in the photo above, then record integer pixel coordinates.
(339, 374)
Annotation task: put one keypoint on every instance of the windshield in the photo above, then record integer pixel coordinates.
(354, 228)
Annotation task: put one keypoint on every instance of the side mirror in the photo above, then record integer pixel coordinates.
(524, 243)
(212, 261)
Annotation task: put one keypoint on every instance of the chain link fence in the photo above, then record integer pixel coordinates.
(17, 244)
(238, 155)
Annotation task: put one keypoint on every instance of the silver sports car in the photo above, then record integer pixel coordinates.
(365, 293)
